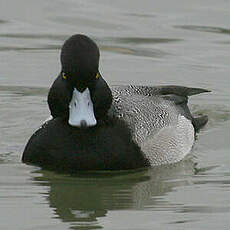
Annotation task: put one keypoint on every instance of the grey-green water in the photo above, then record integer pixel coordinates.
(142, 42)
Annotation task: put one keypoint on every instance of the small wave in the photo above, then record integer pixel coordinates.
(24, 91)
(134, 45)
(203, 209)
(210, 29)
(34, 36)
(15, 48)
(140, 40)
(144, 52)
(3, 21)
(141, 15)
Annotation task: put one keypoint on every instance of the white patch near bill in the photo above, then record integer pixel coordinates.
(81, 109)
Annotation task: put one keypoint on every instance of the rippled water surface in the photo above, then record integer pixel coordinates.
(141, 42)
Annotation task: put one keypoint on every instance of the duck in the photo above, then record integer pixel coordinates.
(95, 126)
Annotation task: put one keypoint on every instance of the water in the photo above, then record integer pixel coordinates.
(141, 42)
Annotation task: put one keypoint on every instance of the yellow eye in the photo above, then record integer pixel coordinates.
(64, 75)
(97, 75)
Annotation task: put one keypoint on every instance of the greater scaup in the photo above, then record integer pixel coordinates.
(97, 127)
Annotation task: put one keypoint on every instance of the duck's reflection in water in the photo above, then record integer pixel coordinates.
(81, 199)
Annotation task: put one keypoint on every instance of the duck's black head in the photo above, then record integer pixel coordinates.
(80, 92)
(80, 61)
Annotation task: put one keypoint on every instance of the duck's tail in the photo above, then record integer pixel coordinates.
(180, 90)
(199, 122)
(180, 96)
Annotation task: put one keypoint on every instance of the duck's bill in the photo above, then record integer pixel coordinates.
(81, 113)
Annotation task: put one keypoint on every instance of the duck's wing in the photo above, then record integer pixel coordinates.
(178, 95)
(159, 118)
(145, 115)
(161, 90)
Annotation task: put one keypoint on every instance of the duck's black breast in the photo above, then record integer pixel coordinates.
(108, 146)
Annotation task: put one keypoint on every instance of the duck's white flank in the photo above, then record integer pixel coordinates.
(171, 144)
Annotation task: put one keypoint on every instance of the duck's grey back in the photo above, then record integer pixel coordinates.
(160, 125)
